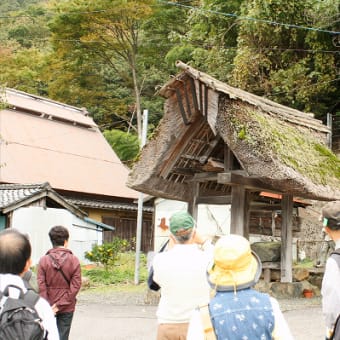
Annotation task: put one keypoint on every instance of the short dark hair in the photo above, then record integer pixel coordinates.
(184, 237)
(15, 250)
(58, 235)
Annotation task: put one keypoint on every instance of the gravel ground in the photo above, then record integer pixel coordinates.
(109, 314)
(143, 297)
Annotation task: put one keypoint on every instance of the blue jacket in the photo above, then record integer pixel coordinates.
(246, 314)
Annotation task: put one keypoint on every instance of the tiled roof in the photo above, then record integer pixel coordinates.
(13, 196)
(15, 193)
(107, 205)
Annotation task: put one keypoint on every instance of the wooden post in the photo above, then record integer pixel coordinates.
(247, 199)
(286, 238)
(192, 205)
(237, 223)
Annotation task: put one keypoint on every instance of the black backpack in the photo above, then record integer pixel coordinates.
(18, 318)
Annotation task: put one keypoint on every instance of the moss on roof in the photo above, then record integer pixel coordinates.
(297, 148)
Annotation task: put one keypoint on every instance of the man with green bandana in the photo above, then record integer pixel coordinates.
(181, 274)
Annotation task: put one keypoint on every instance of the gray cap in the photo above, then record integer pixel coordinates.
(331, 215)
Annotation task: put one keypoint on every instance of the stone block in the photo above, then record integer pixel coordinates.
(267, 251)
(300, 274)
(286, 289)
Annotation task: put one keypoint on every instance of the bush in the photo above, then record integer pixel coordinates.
(121, 273)
(108, 253)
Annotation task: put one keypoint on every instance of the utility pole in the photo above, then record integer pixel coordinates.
(140, 205)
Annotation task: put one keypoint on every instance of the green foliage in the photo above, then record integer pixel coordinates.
(125, 145)
(107, 254)
(289, 65)
(306, 263)
(121, 273)
(111, 56)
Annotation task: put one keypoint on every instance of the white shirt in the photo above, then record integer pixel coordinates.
(181, 273)
(281, 330)
(42, 307)
(330, 291)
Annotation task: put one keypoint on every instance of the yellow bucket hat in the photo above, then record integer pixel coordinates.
(235, 266)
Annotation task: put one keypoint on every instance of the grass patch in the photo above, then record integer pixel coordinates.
(306, 263)
(121, 274)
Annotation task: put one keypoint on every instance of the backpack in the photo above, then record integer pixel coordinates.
(336, 332)
(18, 318)
(151, 283)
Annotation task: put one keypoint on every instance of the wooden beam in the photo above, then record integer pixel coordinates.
(228, 158)
(183, 171)
(286, 239)
(193, 94)
(187, 101)
(237, 222)
(178, 146)
(236, 178)
(214, 199)
(205, 102)
(209, 150)
(247, 199)
(181, 107)
(200, 94)
(205, 177)
(192, 204)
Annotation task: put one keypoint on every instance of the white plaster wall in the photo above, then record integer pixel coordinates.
(212, 220)
(37, 221)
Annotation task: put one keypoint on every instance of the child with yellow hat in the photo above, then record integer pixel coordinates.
(237, 311)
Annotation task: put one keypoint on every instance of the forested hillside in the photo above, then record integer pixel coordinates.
(111, 56)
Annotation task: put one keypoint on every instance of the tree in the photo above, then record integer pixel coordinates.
(108, 30)
(209, 37)
(23, 45)
(125, 144)
(287, 63)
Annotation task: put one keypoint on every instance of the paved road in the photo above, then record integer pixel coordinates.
(102, 320)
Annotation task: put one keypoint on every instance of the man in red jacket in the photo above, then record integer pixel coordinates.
(59, 279)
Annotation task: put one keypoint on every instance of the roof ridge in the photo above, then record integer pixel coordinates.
(47, 100)
(4, 186)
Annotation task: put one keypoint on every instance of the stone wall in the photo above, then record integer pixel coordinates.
(310, 237)
(307, 232)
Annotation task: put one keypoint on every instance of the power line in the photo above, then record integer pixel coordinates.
(233, 15)
(60, 152)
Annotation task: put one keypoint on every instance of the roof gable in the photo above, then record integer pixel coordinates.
(14, 196)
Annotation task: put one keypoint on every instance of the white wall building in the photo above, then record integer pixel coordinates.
(37, 222)
(212, 220)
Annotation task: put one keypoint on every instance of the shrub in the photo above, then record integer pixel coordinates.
(122, 272)
(107, 253)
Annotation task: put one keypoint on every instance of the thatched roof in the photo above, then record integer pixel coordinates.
(219, 136)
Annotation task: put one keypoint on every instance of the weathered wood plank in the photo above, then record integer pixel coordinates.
(286, 239)
(214, 199)
(237, 215)
(237, 178)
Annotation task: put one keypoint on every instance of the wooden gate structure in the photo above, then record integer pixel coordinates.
(218, 144)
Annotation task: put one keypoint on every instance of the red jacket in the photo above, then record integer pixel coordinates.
(52, 285)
